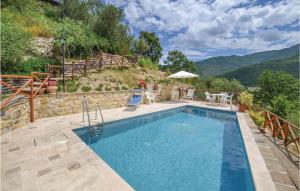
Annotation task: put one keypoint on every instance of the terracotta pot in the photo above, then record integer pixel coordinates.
(242, 107)
(52, 89)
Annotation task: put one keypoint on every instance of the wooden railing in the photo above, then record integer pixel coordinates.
(82, 67)
(280, 128)
(16, 87)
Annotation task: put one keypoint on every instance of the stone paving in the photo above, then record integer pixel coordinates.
(47, 155)
(279, 173)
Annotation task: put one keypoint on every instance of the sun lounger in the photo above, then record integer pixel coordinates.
(135, 100)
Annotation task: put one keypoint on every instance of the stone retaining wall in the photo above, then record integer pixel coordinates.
(69, 103)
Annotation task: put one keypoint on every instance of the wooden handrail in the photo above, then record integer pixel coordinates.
(15, 76)
(280, 126)
(6, 101)
(44, 82)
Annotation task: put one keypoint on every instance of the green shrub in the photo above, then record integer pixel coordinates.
(86, 88)
(282, 106)
(14, 42)
(72, 85)
(293, 117)
(124, 88)
(99, 87)
(246, 98)
(107, 88)
(34, 64)
(117, 88)
(147, 63)
(257, 117)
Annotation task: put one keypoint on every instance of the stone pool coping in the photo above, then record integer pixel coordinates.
(48, 155)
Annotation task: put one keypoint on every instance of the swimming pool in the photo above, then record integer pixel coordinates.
(187, 148)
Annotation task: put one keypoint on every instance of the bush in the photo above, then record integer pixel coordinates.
(117, 88)
(293, 117)
(99, 87)
(257, 117)
(14, 42)
(281, 106)
(72, 85)
(147, 63)
(86, 88)
(34, 64)
(107, 88)
(125, 88)
(246, 98)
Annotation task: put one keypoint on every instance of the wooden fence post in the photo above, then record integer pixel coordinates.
(31, 100)
(84, 68)
(111, 57)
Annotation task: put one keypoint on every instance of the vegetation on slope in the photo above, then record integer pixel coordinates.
(220, 65)
(248, 75)
(87, 26)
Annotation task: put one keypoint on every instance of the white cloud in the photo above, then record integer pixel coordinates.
(198, 25)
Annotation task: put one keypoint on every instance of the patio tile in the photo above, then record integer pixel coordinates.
(13, 170)
(14, 149)
(44, 171)
(54, 157)
(74, 166)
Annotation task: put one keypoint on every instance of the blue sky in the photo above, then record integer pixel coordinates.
(206, 28)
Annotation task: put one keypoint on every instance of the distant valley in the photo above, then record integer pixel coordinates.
(247, 68)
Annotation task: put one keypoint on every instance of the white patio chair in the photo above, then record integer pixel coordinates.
(150, 96)
(210, 98)
(223, 99)
(190, 94)
(229, 99)
(175, 95)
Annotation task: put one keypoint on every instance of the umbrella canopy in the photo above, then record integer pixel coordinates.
(183, 74)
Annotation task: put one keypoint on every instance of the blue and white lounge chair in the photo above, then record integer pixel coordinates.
(135, 100)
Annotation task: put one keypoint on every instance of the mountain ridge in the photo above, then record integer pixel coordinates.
(217, 66)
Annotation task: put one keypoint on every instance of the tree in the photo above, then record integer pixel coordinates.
(272, 84)
(177, 61)
(80, 10)
(140, 46)
(109, 25)
(154, 50)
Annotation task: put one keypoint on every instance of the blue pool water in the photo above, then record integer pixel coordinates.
(187, 148)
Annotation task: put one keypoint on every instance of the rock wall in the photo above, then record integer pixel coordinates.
(69, 103)
(43, 47)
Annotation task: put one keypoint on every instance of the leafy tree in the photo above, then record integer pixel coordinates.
(273, 84)
(154, 50)
(80, 10)
(79, 39)
(109, 25)
(177, 61)
(14, 42)
(140, 46)
(281, 106)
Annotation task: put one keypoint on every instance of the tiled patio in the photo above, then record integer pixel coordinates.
(47, 155)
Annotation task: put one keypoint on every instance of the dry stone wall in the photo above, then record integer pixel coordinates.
(69, 103)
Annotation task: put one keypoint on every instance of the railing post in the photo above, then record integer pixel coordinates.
(122, 63)
(84, 68)
(111, 57)
(31, 100)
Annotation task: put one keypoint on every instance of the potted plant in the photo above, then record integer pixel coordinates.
(52, 87)
(245, 100)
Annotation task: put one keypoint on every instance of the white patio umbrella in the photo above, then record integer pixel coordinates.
(182, 74)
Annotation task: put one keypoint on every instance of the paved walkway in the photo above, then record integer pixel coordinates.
(278, 165)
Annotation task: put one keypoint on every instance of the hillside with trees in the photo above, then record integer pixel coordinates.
(87, 27)
(217, 66)
(248, 75)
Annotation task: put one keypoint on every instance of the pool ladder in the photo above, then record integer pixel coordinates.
(95, 130)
